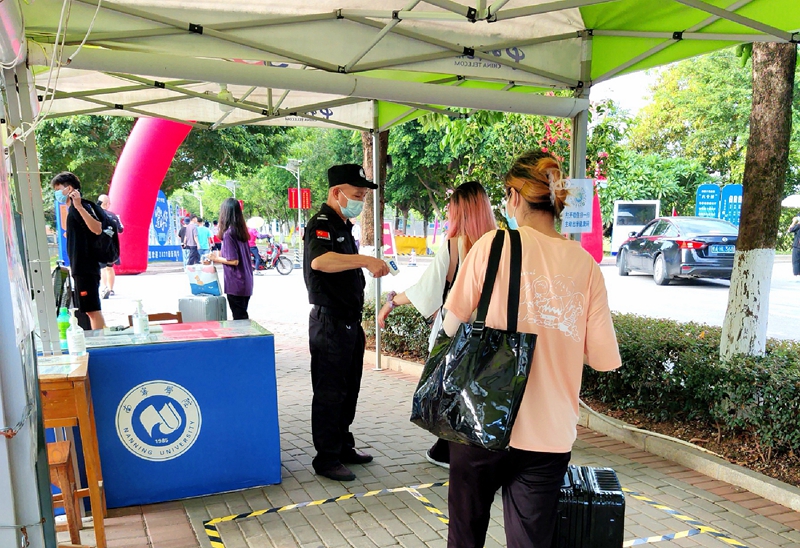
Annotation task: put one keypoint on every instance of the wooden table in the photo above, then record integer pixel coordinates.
(67, 402)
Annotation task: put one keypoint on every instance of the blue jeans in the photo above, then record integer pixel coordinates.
(256, 256)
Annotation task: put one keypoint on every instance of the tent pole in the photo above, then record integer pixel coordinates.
(25, 498)
(378, 228)
(25, 162)
(580, 122)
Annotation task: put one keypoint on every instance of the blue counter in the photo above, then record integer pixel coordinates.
(192, 411)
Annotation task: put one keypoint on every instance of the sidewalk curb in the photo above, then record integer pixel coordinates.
(695, 459)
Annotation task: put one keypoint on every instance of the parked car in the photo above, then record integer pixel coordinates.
(680, 247)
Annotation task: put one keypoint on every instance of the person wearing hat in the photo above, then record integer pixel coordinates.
(335, 283)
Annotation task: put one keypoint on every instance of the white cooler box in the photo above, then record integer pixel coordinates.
(202, 308)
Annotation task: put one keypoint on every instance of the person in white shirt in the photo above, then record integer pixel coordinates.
(469, 216)
(356, 232)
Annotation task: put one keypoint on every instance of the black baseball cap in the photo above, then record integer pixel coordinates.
(349, 174)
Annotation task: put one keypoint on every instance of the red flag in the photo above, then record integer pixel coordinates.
(674, 212)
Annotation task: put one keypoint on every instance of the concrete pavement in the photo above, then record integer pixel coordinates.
(663, 499)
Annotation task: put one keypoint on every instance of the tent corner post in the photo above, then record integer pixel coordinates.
(377, 232)
(577, 153)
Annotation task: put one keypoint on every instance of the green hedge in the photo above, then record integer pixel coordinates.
(406, 333)
(673, 369)
(670, 369)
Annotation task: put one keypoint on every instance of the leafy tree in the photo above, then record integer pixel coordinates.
(423, 174)
(90, 146)
(635, 176)
(744, 330)
(700, 111)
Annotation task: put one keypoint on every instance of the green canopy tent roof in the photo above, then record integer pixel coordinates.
(506, 52)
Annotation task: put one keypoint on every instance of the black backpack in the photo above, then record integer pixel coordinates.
(106, 244)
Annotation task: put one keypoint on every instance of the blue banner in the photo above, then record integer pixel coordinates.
(61, 231)
(731, 203)
(707, 202)
(169, 253)
(161, 218)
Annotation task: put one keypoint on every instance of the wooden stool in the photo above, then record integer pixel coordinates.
(63, 477)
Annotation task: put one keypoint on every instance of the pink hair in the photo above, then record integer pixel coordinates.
(470, 213)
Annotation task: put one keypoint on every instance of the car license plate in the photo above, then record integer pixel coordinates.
(723, 248)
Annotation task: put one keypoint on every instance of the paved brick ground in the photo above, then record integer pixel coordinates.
(399, 519)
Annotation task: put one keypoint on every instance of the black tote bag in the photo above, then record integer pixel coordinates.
(472, 384)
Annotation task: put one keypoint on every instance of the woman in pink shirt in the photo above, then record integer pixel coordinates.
(563, 300)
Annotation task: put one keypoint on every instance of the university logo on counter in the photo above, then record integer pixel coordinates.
(158, 420)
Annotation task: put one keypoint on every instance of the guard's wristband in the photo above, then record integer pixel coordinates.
(390, 299)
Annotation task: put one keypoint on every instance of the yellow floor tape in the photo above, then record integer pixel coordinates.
(686, 519)
(212, 531)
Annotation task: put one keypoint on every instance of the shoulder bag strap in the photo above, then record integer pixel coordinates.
(488, 282)
(514, 277)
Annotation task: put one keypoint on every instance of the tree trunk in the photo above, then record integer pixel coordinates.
(368, 217)
(745, 328)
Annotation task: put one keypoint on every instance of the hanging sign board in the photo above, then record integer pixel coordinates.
(731, 203)
(707, 201)
(305, 198)
(577, 216)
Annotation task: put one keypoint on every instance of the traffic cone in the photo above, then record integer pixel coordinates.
(413, 260)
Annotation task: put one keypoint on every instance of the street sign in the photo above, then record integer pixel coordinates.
(731, 203)
(707, 201)
(305, 198)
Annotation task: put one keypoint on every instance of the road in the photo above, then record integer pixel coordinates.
(280, 302)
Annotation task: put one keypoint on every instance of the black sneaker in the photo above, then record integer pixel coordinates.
(439, 454)
(355, 457)
(337, 472)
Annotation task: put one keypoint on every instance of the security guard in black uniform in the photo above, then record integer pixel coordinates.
(335, 283)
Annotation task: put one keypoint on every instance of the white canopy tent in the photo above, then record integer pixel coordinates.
(356, 64)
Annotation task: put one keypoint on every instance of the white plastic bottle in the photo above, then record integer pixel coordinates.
(141, 327)
(76, 340)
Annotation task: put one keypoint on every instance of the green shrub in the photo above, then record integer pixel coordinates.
(670, 370)
(406, 333)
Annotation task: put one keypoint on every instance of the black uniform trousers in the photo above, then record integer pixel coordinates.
(337, 362)
(531, 483)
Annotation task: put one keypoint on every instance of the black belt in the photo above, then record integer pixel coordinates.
(339, 314)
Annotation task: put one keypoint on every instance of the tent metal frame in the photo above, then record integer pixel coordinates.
(348, 81)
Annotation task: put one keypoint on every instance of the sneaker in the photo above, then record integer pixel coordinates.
(106, 293)
(432, 460)
(337, 472)
(112, 292)
(355, 457)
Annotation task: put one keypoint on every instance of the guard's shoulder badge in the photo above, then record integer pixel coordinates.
(323, 235)
(322, 217)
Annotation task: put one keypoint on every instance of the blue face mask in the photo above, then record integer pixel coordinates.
(352, 209)
(60, 197)
(512, 221)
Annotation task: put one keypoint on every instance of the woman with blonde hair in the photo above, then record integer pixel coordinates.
(563, 301)
(470, 216)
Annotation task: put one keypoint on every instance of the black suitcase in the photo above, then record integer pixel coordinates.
(591, 509)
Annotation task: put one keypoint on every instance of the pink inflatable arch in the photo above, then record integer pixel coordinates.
(593, 241)
(140, 171)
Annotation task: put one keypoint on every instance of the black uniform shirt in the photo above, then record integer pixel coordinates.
(80, 242)
(343, 291)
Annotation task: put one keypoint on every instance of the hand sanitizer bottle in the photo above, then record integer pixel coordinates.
(76, 340)
(63, 325)
(141, 327)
